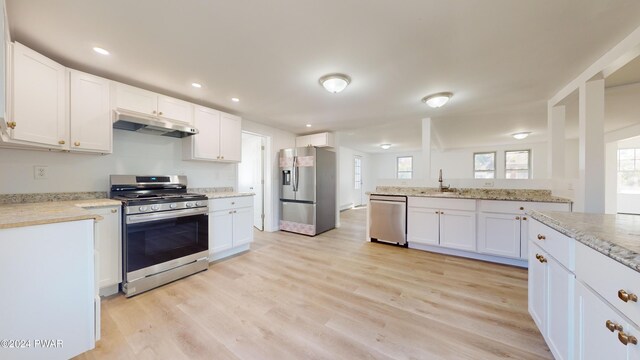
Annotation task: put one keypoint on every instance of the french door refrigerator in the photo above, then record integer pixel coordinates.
(307, 190)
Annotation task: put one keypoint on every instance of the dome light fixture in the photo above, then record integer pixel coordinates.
(308, 125)
(235, 99)
(521, 135)
(101, 51)
(335, 83)
(196, 85)
(437, 100)
(385, 146)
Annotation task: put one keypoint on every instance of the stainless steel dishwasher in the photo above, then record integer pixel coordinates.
(388, 219)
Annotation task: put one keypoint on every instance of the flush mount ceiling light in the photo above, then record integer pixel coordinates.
(308, 125)
(235, 99)
(196, 85)
(521, 135)
(100, 51)
(385, 146)
(334, 83)
(437, 100)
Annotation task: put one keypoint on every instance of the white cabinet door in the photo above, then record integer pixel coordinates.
(524, 238)
(499, 234)
(39, 99)
(423, 226)
(230, 137)
(324, 139)
(242, 226)
(135, 99)
(89, 113)
(559, 313)
(594, 341)
(458, 229)
(206, 144)
(109, 246)
(220, 231)
(537, 287)
(175, 110)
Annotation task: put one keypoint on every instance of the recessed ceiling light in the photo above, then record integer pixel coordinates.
(521, 135)
(235, 99)
(308, 125)
(196, 85)
(100, 51)
(334, 83)
(385, 146)
(437, 100)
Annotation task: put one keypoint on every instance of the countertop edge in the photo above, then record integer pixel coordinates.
(602, 246)
(496, 198)
(55, 220)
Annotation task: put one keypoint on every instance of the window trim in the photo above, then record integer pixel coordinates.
(473, 164)
(529, 172)
(398, 171)
(618, 171)
(355, 159)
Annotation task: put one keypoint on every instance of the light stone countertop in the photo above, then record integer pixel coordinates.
(614, 235)
(471, 193)
(29, 214)
(226, 194)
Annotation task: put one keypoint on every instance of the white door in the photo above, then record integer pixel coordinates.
(499, 234)
(358, 198)
(90, 113)
(251, 174)
(458, 229)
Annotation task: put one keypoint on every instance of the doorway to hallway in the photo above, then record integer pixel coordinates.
(251, 174)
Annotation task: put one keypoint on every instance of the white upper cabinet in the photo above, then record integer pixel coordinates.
(151, 104)
(89, 113)
(219, 137)
(39, 100)
(324, 139)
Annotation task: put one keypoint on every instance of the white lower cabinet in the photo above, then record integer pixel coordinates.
(458, 229)
(230, 226)
(108, 235)
(423, 226)
(501, 234)
(442, 222)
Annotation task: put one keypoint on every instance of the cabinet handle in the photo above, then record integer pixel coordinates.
(114, 210)
(230, 212)
(61, 142)
(524, 218)
(153, 112)
(625, 296)
(160, 113)
(541, 237)
(613, 326)
(222, 157)
(11, 124)
(541, 258)
(77, 143)
(517, 217)
(626, 339)
(233, 203)
(441, 212)
(521, 208)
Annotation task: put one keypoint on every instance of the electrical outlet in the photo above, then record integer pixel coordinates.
(488, 184)
(40, 172)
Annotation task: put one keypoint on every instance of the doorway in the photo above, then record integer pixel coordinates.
(358, 195)
(251, 173)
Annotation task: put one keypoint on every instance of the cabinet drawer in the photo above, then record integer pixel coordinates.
(230, 203)
(609, 277)
(520, 207)
(561, 247)
(438, 203)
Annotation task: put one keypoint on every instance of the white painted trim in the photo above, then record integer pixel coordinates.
(470, 255)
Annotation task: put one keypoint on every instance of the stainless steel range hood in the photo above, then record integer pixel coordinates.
(132, 121)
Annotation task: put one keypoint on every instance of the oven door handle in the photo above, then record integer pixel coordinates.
(141, 218)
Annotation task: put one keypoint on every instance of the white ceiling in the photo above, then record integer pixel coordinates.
(501, 58)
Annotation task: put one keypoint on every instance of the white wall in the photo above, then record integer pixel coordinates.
(133, 153)
(347, 195)
(277, 139)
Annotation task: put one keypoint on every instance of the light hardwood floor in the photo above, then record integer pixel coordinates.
(333, 296)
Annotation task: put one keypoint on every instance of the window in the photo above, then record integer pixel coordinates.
(484, 165)
(629, 171)
(405, 167)
(357, 172)
(517, 164)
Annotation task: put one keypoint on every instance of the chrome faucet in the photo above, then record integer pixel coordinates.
(442, 188)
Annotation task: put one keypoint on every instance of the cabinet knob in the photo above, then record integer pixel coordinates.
(160, 113)
(541, 258)
(521, 208)
(625, 296)
(517, 217)
(612, 326)
(61, 142)
(524, 218)
(233, 203)
(222, 157)
(77, 143)
(541, 237)
(11, 124)
(626, 339)
(114, 210)
(153, 112)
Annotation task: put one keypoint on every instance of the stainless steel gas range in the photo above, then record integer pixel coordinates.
(165, 230)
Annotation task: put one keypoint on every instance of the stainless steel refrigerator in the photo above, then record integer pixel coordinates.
(307, 190)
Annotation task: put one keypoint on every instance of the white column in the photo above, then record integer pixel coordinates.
(426, 148)
(591, 155)
(611, 178)
(556, 152)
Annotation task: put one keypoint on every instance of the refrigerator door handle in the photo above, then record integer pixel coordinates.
(295, 174)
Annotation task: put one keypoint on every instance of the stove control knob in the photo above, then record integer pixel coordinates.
(199, 203)
(155, 207)
(189, 204)
(172, 206)
(142, 208)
